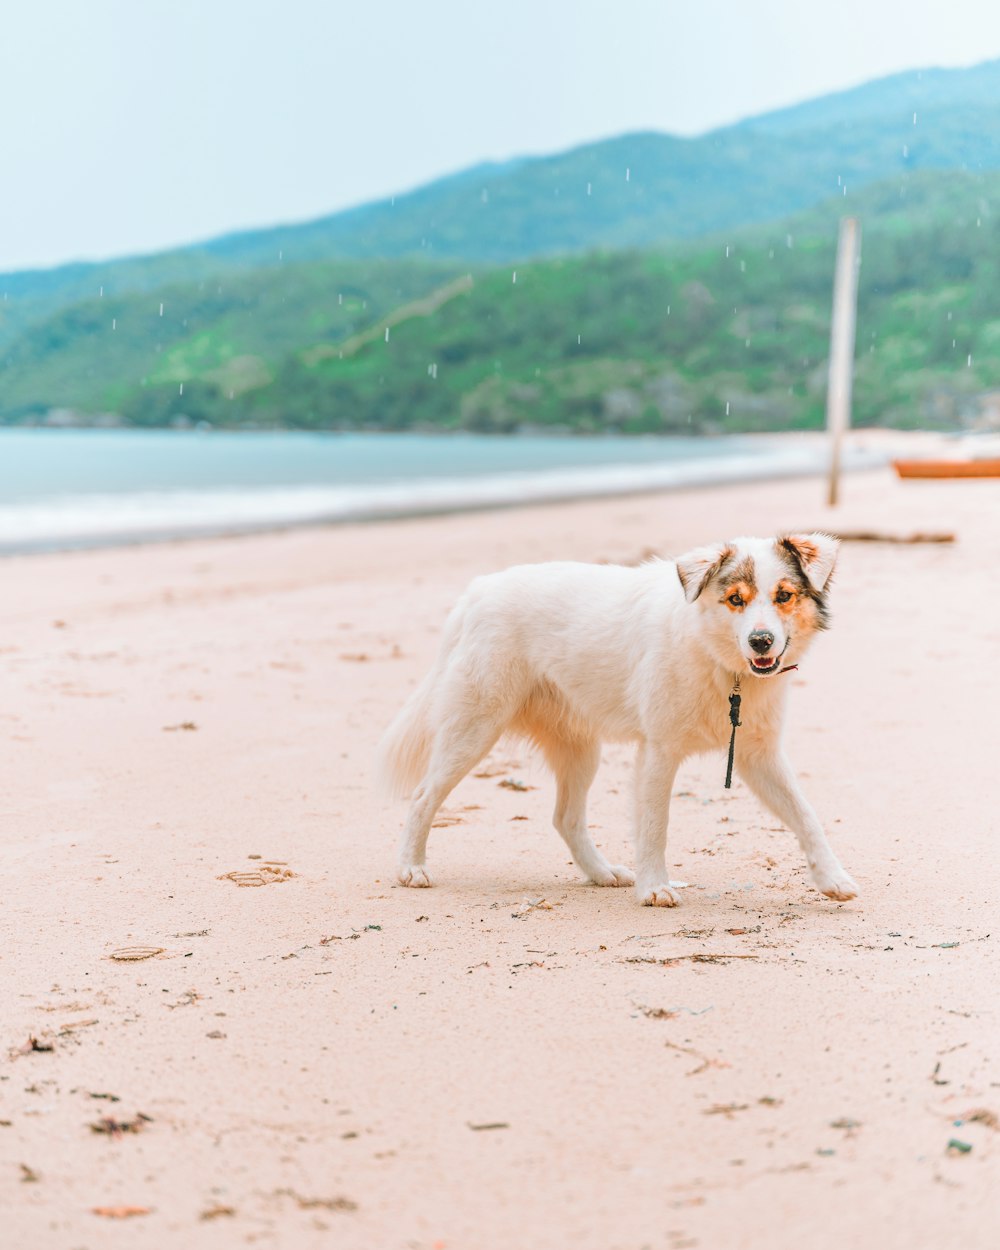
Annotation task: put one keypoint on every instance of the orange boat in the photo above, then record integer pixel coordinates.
(948, 468)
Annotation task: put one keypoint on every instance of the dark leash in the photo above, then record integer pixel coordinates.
(735, 699)
(734, 719)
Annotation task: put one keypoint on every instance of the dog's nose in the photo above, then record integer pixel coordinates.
(761, 640)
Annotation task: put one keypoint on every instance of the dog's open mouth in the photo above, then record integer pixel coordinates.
(764, 665)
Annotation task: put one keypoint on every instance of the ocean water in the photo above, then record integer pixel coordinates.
(73, 488)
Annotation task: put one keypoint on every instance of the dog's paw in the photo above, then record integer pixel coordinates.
(612, 875)
(836, 884)
(414, 875)
(659, 895)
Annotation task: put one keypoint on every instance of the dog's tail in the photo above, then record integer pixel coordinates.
(403, 754)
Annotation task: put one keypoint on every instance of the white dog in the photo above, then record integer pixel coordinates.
(568, 655)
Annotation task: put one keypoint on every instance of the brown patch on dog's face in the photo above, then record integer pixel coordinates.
(787, 597)
(737, 585)
(800, 612)
(807, 617)
(737, 595)
(805, 610)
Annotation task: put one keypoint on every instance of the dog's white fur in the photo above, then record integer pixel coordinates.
(568, 655)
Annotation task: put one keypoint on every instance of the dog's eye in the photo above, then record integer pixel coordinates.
(782, 596)
(736, 600)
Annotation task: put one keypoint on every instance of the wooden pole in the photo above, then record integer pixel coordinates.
(845, 299)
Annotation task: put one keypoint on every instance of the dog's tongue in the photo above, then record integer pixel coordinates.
(763, 662)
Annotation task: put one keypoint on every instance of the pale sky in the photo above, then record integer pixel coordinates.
(133, 125)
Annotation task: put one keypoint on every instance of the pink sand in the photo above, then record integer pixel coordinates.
(314, 1055)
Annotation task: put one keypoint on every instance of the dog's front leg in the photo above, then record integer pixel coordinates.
(655, 769)
(769, 775)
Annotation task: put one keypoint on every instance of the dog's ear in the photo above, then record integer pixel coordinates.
(815, 554)
(697, 567)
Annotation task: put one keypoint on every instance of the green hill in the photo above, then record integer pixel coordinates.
(729, 333)
(724, 336)
(635, 191)
(227, 333)
(640, 283)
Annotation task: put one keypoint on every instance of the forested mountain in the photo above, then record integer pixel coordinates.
(644, 282)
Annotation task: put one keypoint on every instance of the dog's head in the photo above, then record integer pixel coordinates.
(762, 599)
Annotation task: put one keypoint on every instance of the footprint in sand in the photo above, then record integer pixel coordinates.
(270, 873)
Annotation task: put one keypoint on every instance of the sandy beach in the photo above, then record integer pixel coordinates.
(512, 1059)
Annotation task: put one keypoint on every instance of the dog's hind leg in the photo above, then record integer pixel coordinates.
(575, 764)
(458, 747)
(769, 775)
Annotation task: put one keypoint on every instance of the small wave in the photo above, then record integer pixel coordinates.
(95, 519)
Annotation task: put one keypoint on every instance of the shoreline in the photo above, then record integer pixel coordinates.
(403, 514)
(153, 517)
